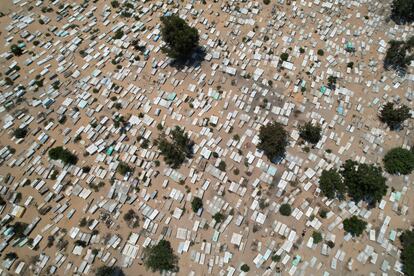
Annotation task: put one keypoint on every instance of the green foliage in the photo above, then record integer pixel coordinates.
(119, 34)
(20, 133)
(331, 184)
(354, 226)
(320, 52)
(394, 117)
(273, 140)
(218, 217)
(196, 204)
(245, 267)
(109, 271)
(364, 182)
(403, 11)
(284, 56)
(399, 55)
(266, 2)
(123, 168)
(310, 133)
(161, 257)
(16, 50)
(285, 209)
(317, 237)
(407, 252)
(222, 166)
(59, 153)
(115, 4)
(176, 151)
(399, 161)
(181, 39)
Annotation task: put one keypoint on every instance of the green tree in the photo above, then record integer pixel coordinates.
(354, 226)
(331, 184)
(364, 182)
(59, 153)
(394, 117)
(317, 237)
(310, 133)
(196, 204)
(16, 50)
(176, 151)
(181, 39)
(285, 209)
(218, 217)
(273, 140)
(20, 133)
(161, 257)
(399, 161)
(284, 56)
(403, 11)
(109, 271)
(245, 268)
(407, 252)
(399, 55)
(123, 168)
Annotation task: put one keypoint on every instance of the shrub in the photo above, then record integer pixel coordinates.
(284, 56)
(222, 166)
(317, 237)
(196, 204)
(123, 168)
(218, 217)
(245, 267)
(285, 210)
(320, 52)
(266, 2)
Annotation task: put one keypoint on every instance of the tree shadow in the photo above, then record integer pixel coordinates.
(194, 60)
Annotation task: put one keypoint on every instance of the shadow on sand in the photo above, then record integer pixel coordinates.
(195, 60)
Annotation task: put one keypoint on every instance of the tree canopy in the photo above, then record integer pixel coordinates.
(354, 226)
(123, 168)
(273, 140)
(181, 39)
(403, 11)
(109, 271)
(59, 153)
(394, 117)
(20, 132)
(399, 55)
(310, 133)
(176, 151)
(16, 50)
(285, 209)
(407, 252)
(196, 204)
(161, 257)
(399, 161)
(331, 184)
(364, 182)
